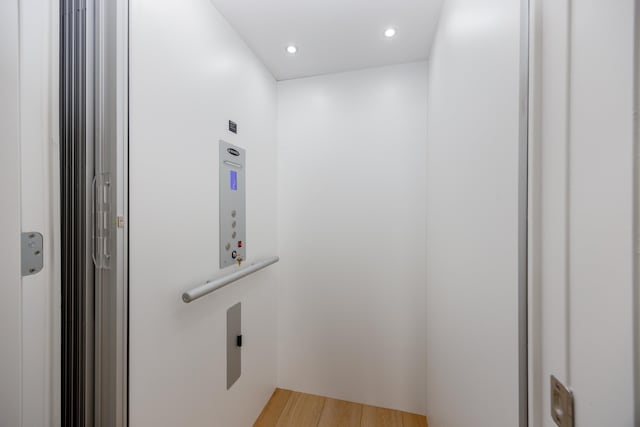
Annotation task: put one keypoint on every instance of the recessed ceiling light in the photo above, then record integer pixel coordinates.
(292, 49)
(389, 32)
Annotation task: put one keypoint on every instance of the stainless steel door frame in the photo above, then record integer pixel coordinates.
(636, 214)
(523, 219)
(94, 191)
(109, 20)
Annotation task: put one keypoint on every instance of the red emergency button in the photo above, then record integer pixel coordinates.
(239, 243)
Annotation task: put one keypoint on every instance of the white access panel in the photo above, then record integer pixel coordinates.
(232, 205)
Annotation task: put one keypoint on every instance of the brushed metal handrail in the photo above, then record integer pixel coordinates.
(221, 282)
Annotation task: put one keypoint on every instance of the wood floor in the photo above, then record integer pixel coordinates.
(288, 408)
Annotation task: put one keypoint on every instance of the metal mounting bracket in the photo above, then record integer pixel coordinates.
(561, 404)
(31, 255)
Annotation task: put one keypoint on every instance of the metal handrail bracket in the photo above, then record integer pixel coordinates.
(226, 279)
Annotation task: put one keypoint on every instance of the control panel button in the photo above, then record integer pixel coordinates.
(233, 235)
(227, 246)
(233, 213)
(233, 224)
(239, 243)
(234, 254)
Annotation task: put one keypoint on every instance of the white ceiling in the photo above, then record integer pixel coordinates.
(332, 35)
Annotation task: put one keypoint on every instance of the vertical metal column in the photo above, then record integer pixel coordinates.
(523, 220)
(108, 29)
(636, 214)
(76, 168)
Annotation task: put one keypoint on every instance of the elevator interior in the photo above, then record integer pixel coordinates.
(427, 206)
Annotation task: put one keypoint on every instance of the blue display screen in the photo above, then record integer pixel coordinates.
(233, 181)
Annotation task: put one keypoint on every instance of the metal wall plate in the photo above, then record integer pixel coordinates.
(32, 258)
(233, 243)
(561, 404)
(234, 351)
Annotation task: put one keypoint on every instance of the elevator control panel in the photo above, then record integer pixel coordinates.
(233, 244)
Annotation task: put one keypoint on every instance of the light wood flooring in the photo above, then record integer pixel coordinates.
(288, 408)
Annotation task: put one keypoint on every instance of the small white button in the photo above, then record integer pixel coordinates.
(233, 235)
(233, 213)
(233, 224)
(227, 246)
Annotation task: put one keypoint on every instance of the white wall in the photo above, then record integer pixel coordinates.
(472, 189)
(351, 161)
(190, 74)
